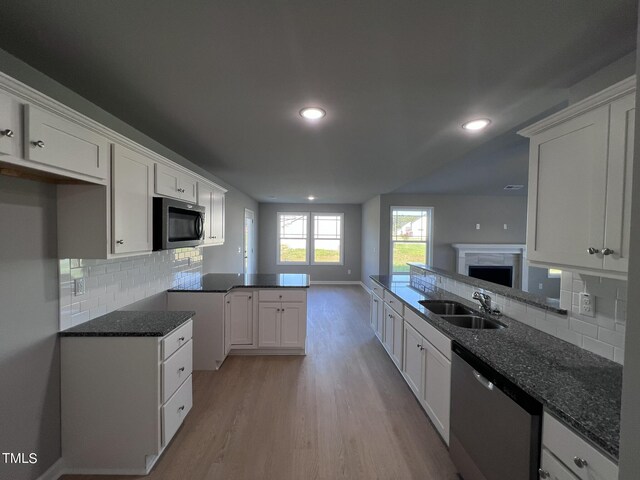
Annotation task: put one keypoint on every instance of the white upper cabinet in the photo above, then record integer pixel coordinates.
(580, 184)
(10, 126)
(131, 181)
(54, 141)
(171, 182)
(213, 199)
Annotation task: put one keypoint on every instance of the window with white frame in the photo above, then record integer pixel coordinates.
(327, 245)
(411, 237)
(293, 238)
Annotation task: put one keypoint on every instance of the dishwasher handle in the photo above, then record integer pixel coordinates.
(483, 381)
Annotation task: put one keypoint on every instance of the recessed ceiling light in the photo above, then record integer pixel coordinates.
(514, 187)
(475, 125)
(311, 197)
(312, 113)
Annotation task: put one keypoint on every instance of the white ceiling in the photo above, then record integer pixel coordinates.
(221, 82)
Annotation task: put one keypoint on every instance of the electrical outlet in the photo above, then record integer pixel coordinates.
(505, 226)
(587, 305)
(477, 226)
(540, 286)
(348, 272)
(78, 286)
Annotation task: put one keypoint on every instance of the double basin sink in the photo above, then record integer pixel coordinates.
(460, 315)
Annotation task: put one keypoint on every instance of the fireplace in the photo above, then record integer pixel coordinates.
(502, 275)
(504, 264)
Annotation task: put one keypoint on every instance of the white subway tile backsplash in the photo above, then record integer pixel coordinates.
(611, 337)
(598, 347)
(584, 328)
(618, 355)
(116, 283)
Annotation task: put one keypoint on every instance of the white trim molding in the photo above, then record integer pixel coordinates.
(463, 249)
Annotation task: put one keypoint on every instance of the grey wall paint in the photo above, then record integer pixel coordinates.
(603, 78)
(540, 276)
(454, 220)
(370, 239)
(227, 258)
(352, 241)
(630, 419)
(29, 347)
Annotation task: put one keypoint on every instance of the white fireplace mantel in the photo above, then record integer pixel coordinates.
(462, 249)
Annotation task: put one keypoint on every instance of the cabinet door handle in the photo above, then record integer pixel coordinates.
(181, 409)
(38, 143)
(249, 297)
(580, 462)
(181, 339)
(7, 133)
(606, 251)
(543, 473)
(592, 250)
(120, 242)
(181, 369)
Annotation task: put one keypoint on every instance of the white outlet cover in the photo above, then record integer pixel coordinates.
(78, 287)
(587, 305)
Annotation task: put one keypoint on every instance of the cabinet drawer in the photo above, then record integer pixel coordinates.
(175, 410)
(555, 469)
(394, 302)
(176, 339)
(378, 290)
(283, 295)
(177, 367)
(567, 446)
(57, 142)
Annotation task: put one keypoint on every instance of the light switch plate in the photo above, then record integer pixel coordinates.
(78, 286)
(587, 305)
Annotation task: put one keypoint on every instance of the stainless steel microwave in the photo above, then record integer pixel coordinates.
(177, 224)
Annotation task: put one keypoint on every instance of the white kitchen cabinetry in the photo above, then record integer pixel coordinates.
(565, 455)
(377, 315)
(282, 319)
(413, 362)
(123, 399)
(213, 199)
(580, 184)
(393, 334)
(173, 183)
(10, 126)
(131, 190)
(239, 312)
(54, 141)
(209, 350)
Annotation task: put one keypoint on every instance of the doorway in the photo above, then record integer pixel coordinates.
(249, 236)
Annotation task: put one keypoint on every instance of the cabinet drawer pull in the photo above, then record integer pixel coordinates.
(38, 143)
(580, 462)
(7, 133)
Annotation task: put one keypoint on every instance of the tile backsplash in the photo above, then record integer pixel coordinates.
(602, 334)
(113, 284)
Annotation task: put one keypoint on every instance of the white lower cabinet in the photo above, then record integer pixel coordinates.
(376, 304)
(437, 388)
(239, 311)
(282, 319)
(413, 363)
(566, 455)
(123, 399)
(393, 335)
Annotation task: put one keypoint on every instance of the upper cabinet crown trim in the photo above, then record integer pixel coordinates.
(32, 96)
(603, 97)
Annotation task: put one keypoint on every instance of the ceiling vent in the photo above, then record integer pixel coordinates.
(514, 187)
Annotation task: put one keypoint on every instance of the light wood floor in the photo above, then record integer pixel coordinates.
(341, 412)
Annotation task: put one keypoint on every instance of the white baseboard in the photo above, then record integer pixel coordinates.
(335, 282)
(55, 471)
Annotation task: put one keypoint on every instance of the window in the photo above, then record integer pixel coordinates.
(318, 244)
(410, 237)
(327, 238)
(554, 273)
(293, 238)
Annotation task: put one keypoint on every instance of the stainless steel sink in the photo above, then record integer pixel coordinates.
(446, 307)
(473, 321)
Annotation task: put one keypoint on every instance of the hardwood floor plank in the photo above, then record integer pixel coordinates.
(341, 412)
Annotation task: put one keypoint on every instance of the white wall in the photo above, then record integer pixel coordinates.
(370, 239)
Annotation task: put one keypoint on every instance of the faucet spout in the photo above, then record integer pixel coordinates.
(485, 301)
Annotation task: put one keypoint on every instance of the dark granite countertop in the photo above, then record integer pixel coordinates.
(223, 282)
(130, 324)
(539, 301)
(577, 386)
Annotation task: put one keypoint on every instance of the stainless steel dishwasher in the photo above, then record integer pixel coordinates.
(495, 425)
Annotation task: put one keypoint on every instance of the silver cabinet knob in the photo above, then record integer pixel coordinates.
(120, 242)
(592, 250)
(418, 345)
(543, 473)
(181, 409)
(580, 462)
(181, 339)
(38, 143)
(181, 369)
(7, 133)
(606, 251)
(249, 297)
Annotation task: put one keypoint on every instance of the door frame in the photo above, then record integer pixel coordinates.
(248, 260)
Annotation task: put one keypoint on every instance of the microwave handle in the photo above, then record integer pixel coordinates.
(200, 227)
